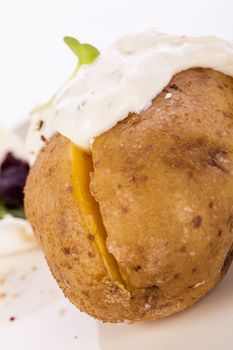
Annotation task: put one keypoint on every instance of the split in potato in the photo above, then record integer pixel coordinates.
(82, 167)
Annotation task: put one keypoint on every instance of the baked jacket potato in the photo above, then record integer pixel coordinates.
(143, 227)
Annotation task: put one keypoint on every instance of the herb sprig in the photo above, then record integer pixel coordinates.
(85, 53)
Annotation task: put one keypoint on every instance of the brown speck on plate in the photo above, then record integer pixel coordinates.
(62, 312)
(2, 295)
(15, 295)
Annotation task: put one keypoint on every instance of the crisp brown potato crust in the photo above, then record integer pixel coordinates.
(164, 183)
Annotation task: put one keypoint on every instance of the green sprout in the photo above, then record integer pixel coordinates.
(85, 53)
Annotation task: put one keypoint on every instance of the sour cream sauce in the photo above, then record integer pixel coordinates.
(124, 79)
(16, 234)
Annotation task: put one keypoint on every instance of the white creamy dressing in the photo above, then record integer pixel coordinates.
(16, 234)
(124, 79)
(10, 142)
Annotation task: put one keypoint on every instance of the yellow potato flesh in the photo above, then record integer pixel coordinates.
(82, 166)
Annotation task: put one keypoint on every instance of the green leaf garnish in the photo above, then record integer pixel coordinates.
(86, 53)
(3, 211)
(17, 213)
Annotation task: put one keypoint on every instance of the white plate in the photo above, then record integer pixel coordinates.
(35, 315)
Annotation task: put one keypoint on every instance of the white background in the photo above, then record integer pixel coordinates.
(34, 61)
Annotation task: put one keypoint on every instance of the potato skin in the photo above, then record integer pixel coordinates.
(163, 180)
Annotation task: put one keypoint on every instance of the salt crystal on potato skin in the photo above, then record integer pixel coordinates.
(148, 170)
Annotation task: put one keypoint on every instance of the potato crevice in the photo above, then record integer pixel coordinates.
(82, 167)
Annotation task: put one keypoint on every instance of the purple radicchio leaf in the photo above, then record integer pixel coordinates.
(13, 174)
